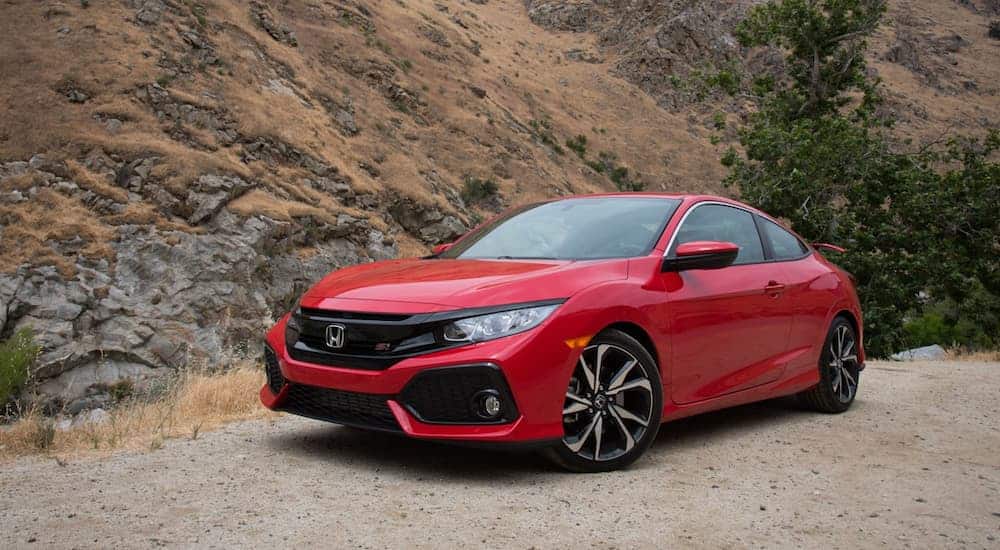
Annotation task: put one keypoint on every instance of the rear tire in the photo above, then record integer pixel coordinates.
(839, 371)
(613, 406)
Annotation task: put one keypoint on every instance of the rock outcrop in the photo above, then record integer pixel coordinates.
(169, 298)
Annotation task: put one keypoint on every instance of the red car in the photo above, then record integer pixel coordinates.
(577, 326)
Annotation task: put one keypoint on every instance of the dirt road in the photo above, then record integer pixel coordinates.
(915, 463)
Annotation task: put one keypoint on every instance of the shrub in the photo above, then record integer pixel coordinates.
(578, 145)
(727, 79)
(404, 64)
(477, 190)
(164, 80)
(719, 121)
(607, 163)
(597, 166)
(543, 131)
(121, 390)
(16, 356)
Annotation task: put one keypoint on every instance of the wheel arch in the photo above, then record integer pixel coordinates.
(847, 314)
(640, 334)
(855, 324)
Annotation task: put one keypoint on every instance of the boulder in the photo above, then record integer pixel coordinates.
(926, 353)
(563, 15)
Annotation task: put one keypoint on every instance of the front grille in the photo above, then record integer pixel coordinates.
(371, 341)
(446, 395)
(362, 410)
(275, 380)
(375, 341)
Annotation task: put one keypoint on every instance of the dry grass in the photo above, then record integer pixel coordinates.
(262, 202)
(984, 356)
(91, 182)
(410, 247)
(193, 403)
(50, 217)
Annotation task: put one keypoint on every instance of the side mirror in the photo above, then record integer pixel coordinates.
(701, 255)
(441, 248)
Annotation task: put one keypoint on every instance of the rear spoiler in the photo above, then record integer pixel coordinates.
(828, 246)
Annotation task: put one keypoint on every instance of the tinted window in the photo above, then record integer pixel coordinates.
(784, 245)
(572, 229)
(713, 222)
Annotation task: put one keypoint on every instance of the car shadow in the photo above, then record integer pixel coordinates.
(718, 425)
(442, 462)
(386, 452)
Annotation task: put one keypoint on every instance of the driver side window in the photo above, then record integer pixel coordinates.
(716, 222)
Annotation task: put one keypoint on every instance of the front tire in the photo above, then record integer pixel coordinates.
(613, 406)
(839, 371)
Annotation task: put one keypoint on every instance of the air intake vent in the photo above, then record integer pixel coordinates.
(275, 381)
(362, 410)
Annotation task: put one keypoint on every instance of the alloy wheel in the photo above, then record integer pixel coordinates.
(843, 362)
(609, 403)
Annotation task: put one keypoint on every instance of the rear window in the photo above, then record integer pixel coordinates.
(784, 245)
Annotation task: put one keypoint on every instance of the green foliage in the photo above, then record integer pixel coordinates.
(16, 356)
(595, 165)
(121, 390)
(164, 80)
(543, 131)
(719, 121)
(972, 323)
(725, 79)
(404, 64)
(477, 190)
(700, 82)
(915, 223)
(607, 164)
(578, 145)
(825, 42)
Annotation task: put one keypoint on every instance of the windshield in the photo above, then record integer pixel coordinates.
(572, 229)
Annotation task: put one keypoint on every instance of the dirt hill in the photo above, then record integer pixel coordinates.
(174, 172)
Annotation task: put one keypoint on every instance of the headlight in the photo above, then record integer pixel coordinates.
(292, 326)
(497, 325)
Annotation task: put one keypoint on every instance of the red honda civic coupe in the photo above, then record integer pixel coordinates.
(577, 326)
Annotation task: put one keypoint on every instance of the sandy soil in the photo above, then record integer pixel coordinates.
(916, 463)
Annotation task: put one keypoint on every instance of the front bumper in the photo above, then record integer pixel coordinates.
(413, 397)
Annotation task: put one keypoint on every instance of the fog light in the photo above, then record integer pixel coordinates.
(488, 404)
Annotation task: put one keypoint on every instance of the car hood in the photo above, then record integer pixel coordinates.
(410, 286)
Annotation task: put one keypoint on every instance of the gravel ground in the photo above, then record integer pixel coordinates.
(915, 463)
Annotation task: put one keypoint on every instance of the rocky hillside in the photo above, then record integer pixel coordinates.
(173, 173)
(937, 59)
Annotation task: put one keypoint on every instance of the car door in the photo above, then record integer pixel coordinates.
(729, 327)
(810, 288)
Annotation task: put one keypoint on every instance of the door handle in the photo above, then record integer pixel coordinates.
(774, 288)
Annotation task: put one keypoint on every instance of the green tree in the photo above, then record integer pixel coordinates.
(915, 224)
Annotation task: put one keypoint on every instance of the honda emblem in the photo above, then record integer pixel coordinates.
(335, 336)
